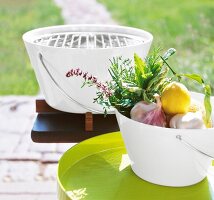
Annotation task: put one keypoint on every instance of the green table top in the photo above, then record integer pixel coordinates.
(99, 169)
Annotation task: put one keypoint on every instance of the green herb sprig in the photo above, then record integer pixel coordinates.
(132, 83)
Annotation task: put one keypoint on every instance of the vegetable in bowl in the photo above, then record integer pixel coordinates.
(146, 92)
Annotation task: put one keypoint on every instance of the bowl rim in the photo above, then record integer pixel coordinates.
(29, 35)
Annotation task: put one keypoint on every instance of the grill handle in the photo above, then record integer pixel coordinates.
(41, 58)
(179, 137)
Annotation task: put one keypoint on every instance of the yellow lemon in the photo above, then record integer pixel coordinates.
(175, 98)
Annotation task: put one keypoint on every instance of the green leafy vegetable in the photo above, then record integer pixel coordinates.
(195, 77)
(207, 103)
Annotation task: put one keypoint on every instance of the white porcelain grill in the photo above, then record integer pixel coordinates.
(53, 51)
(88, 40)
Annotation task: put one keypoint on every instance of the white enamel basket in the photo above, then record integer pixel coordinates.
(165, 156)
(53, 51)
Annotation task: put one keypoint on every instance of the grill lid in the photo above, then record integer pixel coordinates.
(88, 40)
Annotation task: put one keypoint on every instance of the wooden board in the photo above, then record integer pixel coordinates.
(53, 126)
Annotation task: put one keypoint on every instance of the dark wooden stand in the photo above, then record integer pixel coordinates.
(53, 126)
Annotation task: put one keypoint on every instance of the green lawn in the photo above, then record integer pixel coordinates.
(17, 17)
(186, 25)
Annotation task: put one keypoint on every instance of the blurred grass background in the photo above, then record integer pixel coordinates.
(17, 17)
(186, 25)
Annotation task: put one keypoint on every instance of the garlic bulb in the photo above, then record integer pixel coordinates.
(140, 109)
(189, 120)
(149, 113)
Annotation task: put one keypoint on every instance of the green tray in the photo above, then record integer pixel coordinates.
(98, 169)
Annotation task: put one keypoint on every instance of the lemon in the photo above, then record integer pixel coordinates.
(175, 98)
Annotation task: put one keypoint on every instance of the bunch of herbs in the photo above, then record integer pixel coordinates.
(133, 83)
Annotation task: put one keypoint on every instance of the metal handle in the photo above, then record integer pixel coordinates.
(63, 91)
(179, 137)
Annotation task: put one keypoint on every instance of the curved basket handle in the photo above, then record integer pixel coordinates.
(179, 137)
(62, 90)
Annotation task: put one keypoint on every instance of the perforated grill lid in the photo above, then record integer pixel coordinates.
(88, 40)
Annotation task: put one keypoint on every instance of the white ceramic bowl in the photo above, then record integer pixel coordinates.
(159, 157)
(60, 57)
